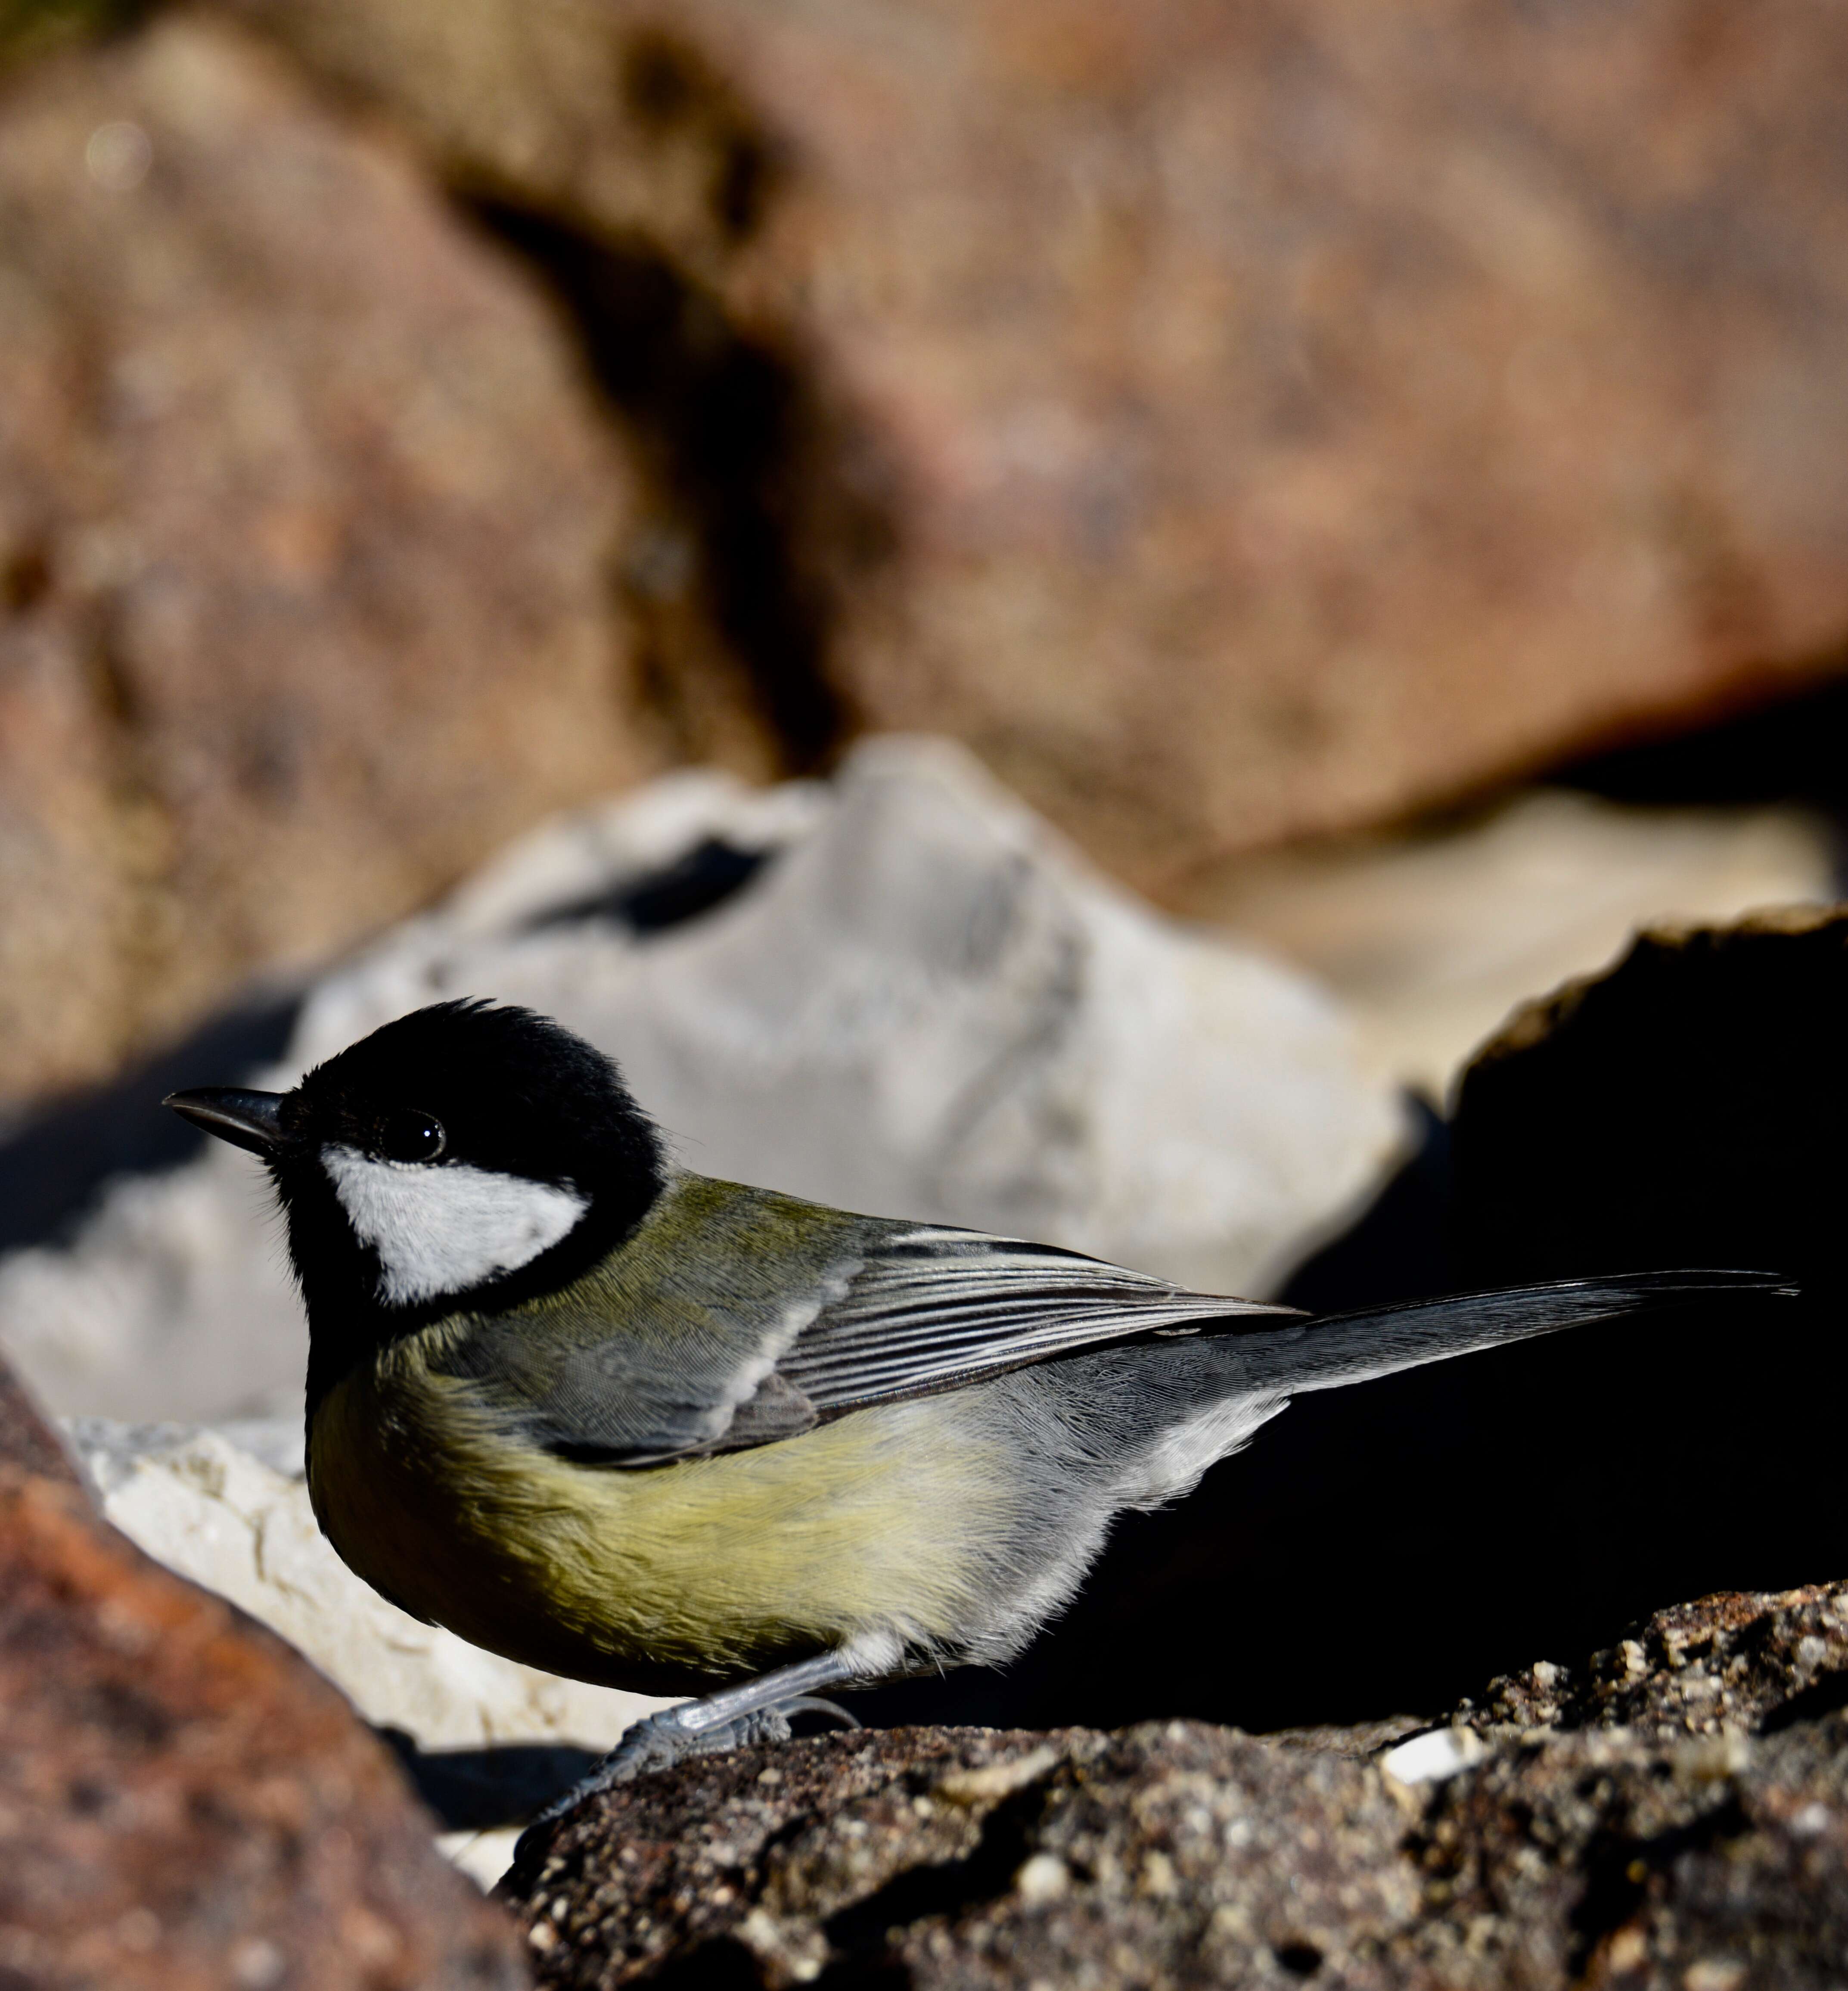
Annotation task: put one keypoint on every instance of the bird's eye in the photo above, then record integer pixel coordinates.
(408, 1135)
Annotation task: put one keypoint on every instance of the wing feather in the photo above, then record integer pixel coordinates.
(933, 1308)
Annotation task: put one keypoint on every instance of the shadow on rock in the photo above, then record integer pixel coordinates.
(475, 1790)
(1377, 1548)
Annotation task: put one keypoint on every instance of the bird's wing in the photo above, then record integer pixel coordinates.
(735, 1317)
(932, 1308)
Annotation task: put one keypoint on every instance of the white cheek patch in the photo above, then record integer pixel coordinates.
(442, 1229)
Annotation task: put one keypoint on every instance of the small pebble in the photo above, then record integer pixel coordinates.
(1044, 1877)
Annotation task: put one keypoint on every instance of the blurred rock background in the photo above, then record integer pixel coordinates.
(1234, 426)
(1359, 495)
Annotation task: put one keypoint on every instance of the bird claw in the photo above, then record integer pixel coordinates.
(658, 1741)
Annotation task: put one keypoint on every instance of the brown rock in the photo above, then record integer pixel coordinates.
(1234, 422)
(1656, 1846)
(1685, 1108)
(185, 1803)
(305, 530)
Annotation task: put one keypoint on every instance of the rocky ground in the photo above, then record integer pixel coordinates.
(1674, 1814)
(664, 925)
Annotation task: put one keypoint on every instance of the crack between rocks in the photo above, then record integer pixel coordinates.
(32, 30)
(143, 831)
(1824, 1696)
(759, 511)
(862, 1957)
(858, 1934)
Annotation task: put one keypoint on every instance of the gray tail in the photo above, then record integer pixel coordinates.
(1342, 1348)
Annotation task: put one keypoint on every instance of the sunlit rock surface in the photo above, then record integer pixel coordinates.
(305, 528)
(1432, 935)
(183, 1801)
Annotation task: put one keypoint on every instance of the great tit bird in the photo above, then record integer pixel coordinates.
(641, 1427)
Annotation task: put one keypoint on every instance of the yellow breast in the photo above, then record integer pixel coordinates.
(666, 1579)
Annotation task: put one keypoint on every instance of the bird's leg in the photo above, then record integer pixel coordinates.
(757, 1711)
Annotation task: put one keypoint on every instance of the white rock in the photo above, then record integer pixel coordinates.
(174, 1301)
(926, 1005)
(1434, 1757)
(218, 1511)
(484, 1857)
(1431, 937)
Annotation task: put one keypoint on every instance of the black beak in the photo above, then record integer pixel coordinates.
(245, 1119)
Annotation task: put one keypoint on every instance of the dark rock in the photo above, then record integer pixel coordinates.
(31, 29)
(184, 1802)
(1684, 1107)
(1233, 422)
(972, 1856)
(1675, 1814)
(307, 525)
(1736, 1661)
(1710, 1865)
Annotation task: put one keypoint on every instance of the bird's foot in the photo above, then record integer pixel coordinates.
(659, 1741)
(672, 1736)
(757, 1711)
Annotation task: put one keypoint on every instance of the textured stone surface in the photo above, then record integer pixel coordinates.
(183, 1802)
(1679, 1839)
(1233, 422)
(1684, 1107)
(978, 1856)
(1599, 1858)
(1738, 1660)
(921, 1004)
(927, 1004)
(305, 530)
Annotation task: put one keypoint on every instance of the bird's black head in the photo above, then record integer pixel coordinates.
(468, 1155)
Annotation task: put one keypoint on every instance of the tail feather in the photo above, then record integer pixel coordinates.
(1337, 1349)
